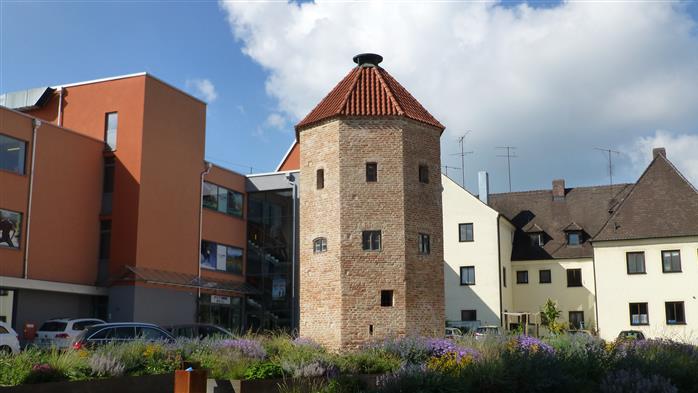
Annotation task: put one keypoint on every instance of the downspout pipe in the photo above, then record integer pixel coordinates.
(36, 123)
(60, 107)
(292, 180)
(201, 220)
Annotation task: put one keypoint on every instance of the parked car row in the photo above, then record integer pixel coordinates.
(64, 333)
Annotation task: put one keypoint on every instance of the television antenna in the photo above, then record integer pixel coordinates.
(462, 154)
(509, 156)
(610, 161)
(446, 167)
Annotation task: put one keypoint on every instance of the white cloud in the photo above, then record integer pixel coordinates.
(277, 121)
(553, 82)
(202, 88)
(682, 151)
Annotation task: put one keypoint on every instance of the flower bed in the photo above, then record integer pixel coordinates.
(410, 364)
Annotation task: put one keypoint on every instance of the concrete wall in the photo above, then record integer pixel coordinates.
(532, 296)
(506, 242)
(151, 304)
(173, 137)
(461, 207)
(616, 288)
(39, 306)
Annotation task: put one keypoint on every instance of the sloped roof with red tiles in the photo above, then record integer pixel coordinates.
(368, 90)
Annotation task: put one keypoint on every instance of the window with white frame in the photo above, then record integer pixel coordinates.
(319, 245)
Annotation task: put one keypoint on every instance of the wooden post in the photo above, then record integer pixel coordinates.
(190, 381)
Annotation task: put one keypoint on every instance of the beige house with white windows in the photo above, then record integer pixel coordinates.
(613, 258)
(646, 258)
(477, 247)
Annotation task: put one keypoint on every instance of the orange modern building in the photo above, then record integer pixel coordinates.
(108, 209)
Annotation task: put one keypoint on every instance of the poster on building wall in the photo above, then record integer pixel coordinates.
(278, 289)
(208, 255)
(10, 227)
(221, 255)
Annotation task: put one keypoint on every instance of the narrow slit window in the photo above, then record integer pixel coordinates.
(371, 172)
(320, 179)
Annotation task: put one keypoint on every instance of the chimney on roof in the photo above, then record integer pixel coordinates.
(483, 182)
(559, 190)
(658, 151)
(368, 59)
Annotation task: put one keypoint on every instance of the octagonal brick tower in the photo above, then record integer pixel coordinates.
(357, 285)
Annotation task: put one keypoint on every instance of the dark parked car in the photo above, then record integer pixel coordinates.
(198, 330)
(120, 332)
(631, 335)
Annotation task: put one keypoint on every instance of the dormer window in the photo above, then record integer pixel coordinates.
(574, 234)
(537, 239)
(574, 238)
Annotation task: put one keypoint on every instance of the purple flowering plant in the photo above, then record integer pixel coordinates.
(248, 348)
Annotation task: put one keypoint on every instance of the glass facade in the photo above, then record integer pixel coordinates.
(269, 260)
(224, 311)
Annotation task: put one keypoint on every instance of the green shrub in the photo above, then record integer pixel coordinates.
(264, 370)
(15, 369)
(368, 362)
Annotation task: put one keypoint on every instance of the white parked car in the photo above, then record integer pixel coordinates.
(452, 332)
(9, 341)
(61, 332)
(483, 331)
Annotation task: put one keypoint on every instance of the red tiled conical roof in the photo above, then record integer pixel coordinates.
(368, 91)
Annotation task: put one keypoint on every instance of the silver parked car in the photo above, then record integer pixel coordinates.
(61, 332)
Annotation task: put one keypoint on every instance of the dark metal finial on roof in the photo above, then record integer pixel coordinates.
(368, 59)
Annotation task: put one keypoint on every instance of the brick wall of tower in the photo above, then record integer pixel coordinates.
(372, 206)
(320, 286)
(423, 214)
(341, 288)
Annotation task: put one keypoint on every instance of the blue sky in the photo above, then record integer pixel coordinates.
(554, 79)
(55, 43)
